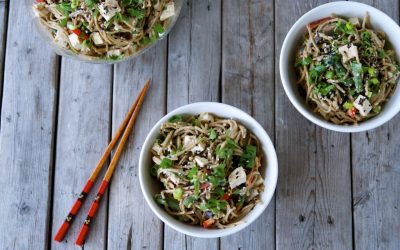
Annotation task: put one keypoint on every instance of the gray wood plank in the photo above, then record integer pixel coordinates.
(82, 135)
(28, 112)
(131, 223)
(194, 62)
(376, 176)
(248, 83)
(3, 37)
(313, 200)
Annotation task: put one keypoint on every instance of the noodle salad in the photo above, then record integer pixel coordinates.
(346, 69)
(105, 29)
(208, 168)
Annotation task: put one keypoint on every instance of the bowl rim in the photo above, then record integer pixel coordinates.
(369, 124)
(68, 54)
(270, 155)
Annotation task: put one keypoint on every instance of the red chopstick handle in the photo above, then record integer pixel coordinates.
(93, 209)
(74, 210)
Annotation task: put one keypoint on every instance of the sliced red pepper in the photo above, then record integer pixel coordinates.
(226, 197)
(40, 1)
(208, 223)
(352, 112)
(204, 185)
(76, 32)
(314, 24)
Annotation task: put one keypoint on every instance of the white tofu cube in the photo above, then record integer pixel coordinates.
(354, 21)
(97, 38)
(108, 9)
(114, 52)
(348, 52)
(363, 105)
(206, 117)
(201, 162)
(61, 39)
(237, 177)
(168, 12)
(74, 39)
(189, 141)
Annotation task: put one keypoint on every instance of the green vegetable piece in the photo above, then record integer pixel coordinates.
(247, 159)
(166, 163)
(371, 72)
(356, 70)
(173, 204)
(175, 118)
(349, 28)
(203, 206)
(63, 22)
(374, 81)
(382, 53)
(324, 89)
(212, 134)
(196, 184)
(154, 170)
(65, 8)
(377, 109)
(226, 152)
(160, 200)
(139, 14)
(188, 201)
(219, 191)
(178, 192)
(304, 62)
(159, 29)
(90, 3)
(193, 172)
(319, 68)
(368, 52)
(347, 105)
(329, 75)
(74, 4)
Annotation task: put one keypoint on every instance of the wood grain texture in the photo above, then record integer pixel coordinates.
(26, 136)
(194, 63)
(313, 203)
(248, 83)
(82, 135)
(376, 176)
(3, 38)
(132, 225)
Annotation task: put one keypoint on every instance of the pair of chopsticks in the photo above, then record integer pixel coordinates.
(124, 130)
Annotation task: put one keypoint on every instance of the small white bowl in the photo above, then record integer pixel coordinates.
(294, 38)
(150, 186)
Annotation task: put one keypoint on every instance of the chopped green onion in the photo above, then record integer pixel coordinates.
(177, 193)
(329, 75)
(247, 159)
(374, 81)
(175, 118)
(212, 134)
(166, 163)
(347, 105)
(377, 109)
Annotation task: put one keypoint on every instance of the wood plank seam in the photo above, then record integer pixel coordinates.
(3, 50)
(52, 166)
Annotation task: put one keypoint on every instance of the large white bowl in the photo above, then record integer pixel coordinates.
(294, 38)
(150, 186)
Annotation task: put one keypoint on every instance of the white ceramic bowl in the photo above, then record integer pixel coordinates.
(48, 39)
(294, 38)
(150, 186)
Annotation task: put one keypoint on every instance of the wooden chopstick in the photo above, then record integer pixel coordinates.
(93, 209)
(93, 176)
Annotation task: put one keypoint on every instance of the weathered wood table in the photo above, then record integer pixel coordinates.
(335, 191)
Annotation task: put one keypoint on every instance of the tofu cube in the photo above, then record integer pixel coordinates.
(97, 38)
(114, 52)
(74, 39)
(363, 105)
(61, 39)
(237, 177)
(348, 52)
(201, 162)
(168, 12)
(108, 9)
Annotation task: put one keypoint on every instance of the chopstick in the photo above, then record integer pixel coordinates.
(93, 176)
(93, 209)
